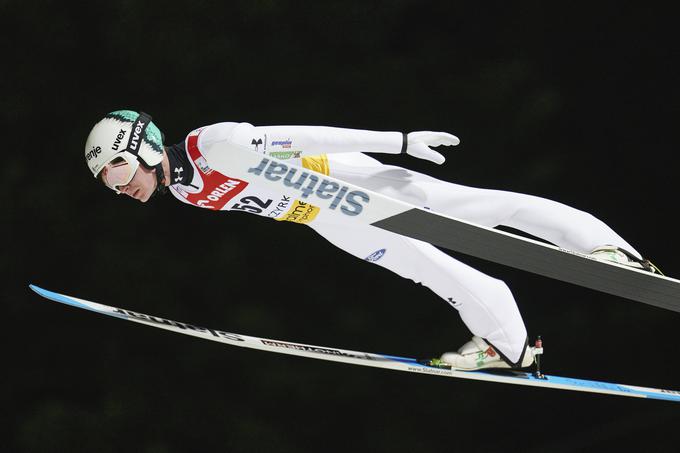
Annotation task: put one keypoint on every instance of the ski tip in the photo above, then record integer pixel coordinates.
(75, 302)
(47, 294)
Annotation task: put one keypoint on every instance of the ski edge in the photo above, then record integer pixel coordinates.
(360, 358)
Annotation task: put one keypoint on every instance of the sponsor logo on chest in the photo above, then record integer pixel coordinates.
(308, 183)
(219, 192)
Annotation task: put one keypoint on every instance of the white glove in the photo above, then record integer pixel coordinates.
(418, 145)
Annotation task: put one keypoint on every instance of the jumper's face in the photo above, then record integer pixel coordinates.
(142, 185)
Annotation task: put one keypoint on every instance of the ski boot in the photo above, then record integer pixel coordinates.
(620, 256)
(477, 354)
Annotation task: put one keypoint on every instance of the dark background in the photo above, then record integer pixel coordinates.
(574, 102)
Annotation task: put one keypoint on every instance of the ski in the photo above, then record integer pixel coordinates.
(454, 234)
(364, 358)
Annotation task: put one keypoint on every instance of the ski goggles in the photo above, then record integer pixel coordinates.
(119, 171)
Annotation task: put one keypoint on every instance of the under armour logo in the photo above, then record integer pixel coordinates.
(257, 143)
(178, 171)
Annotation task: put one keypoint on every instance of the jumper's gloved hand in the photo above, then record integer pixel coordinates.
(418, 145)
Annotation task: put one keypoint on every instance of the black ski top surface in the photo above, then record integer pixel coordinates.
(536, 257)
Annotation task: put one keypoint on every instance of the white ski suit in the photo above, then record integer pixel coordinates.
(485, 304)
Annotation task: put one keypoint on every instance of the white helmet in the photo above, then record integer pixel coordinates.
(129, 134)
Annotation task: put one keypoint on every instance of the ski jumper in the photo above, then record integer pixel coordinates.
(485, 304)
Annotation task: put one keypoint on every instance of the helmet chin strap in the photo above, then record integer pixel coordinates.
(161, 189)
(160, 177)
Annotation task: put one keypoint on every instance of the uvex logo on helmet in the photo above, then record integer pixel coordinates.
(93, 152)
(134, 141)
(119, 139)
